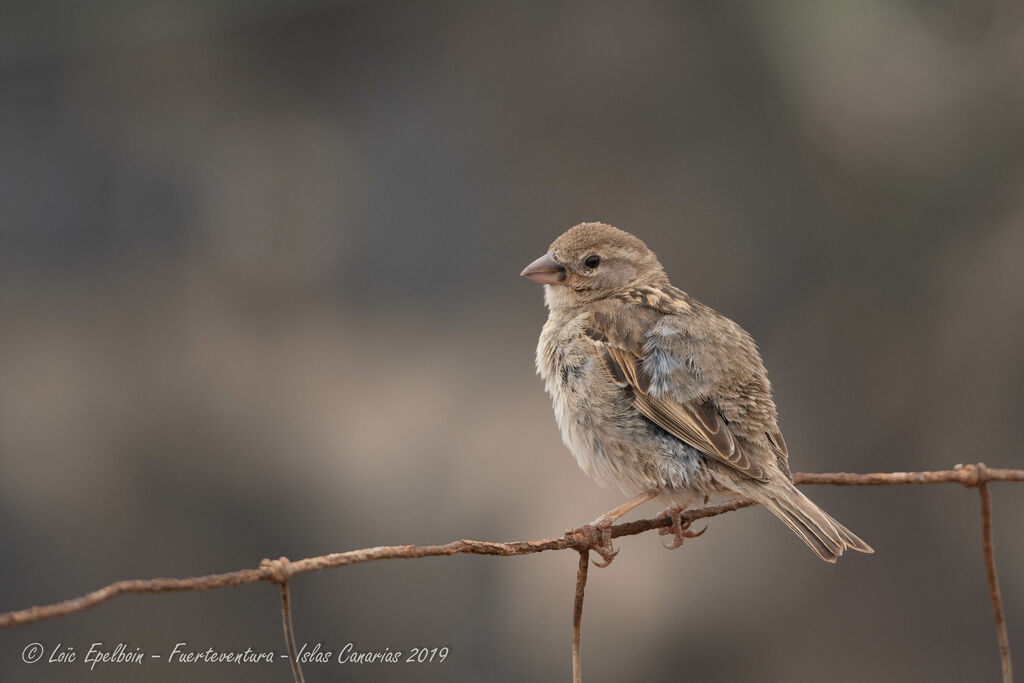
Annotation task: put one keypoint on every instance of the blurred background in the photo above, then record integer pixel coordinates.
(259, 296)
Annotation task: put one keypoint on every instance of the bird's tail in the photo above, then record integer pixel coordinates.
(822, 534)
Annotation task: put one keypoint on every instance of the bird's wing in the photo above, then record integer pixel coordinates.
(778, 445)
(669, 380)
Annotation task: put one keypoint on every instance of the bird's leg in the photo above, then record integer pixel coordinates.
(678, 530)
(602, 526)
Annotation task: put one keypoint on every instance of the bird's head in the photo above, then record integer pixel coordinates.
(592, 261)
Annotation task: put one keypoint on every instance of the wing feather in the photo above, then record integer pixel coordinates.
(695, 422)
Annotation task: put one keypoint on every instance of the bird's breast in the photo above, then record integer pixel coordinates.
(594, 414)
(610, 439)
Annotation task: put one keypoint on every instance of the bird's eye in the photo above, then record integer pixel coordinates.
(592, 261)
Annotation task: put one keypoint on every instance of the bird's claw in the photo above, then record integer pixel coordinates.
(598, 537)
(677, 530)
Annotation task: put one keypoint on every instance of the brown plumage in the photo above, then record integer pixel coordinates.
(659, 394)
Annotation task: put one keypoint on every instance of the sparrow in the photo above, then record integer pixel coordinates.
(659, 394)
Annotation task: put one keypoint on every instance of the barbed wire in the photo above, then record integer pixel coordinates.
(581, 540)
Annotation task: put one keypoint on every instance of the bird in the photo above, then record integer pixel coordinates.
(659, 394)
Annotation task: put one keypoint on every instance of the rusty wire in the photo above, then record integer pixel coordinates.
(280, 571)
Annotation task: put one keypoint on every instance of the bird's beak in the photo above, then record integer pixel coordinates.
(545, 270)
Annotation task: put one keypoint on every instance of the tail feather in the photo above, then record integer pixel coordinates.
(822, 534)
(820, 543)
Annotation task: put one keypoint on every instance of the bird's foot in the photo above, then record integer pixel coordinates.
(598, 537)
(677, 530)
